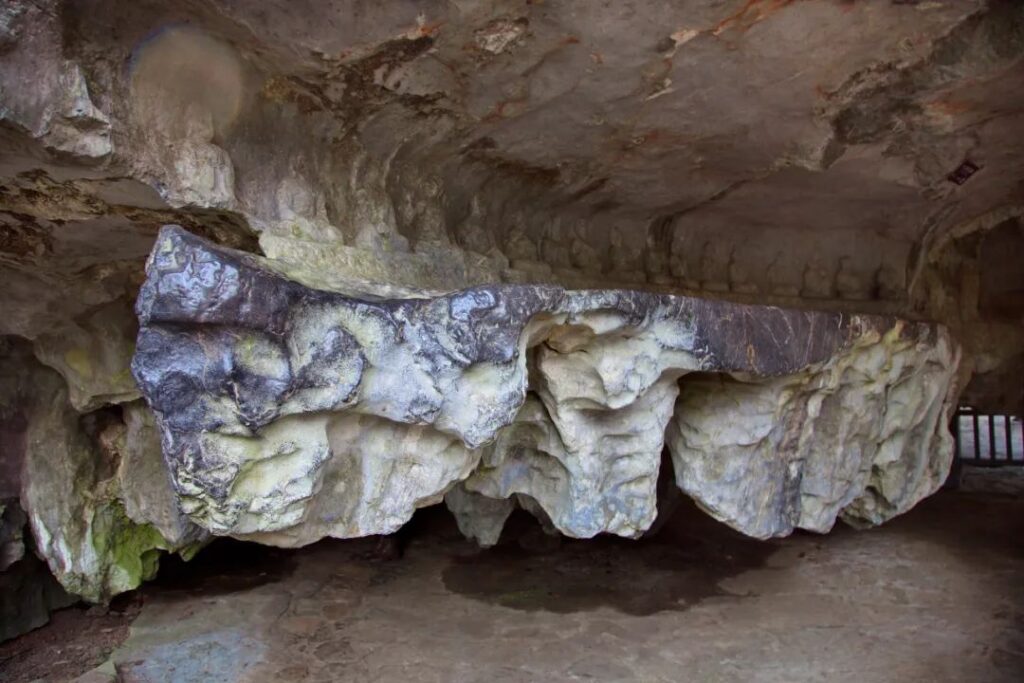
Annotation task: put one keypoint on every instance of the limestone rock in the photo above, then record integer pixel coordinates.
(94, 489)
(12, 526)
(70, 493)
(304, 477)
(144, 483)
(863, 435)
(432, 180)
(591, 471)
(587, 447)
(76, 127)
(93, 355)
(28, 591)
(479, 518)
(291, 413)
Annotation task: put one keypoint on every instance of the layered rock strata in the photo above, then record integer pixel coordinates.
(289, 414)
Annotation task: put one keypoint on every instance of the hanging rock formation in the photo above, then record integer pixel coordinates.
(290, 414)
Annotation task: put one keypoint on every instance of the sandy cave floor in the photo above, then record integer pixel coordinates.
(936, 595)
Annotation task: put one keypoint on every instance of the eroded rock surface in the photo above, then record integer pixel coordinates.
(863, 435)
(411, 150)
(92, 487)
(29, 590)
(289, 413)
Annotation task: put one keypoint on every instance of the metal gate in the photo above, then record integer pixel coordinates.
(988, 440)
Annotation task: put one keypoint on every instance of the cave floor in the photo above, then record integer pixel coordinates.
(936, 595)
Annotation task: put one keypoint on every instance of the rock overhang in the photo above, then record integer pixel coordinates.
(289, 414)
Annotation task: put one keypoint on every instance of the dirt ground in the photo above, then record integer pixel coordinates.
(76, 640)
(936, 595)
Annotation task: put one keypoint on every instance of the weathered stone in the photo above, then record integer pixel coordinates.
(479, 518)
(94, 490)
(93, 356)
(28, 591)
(399, 153)
(590, 470)
(144, 484)
(304, 477)
(290, 413)
(12, 527)
(70, 491)
(863, 435)
(396, 146)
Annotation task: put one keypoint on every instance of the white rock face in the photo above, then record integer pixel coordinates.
(92, 354)
(591, 471)
(305, 477)
(587, 446)
(71, 489)
(93, 488)
(144, 484)
(414, 150)
(864, 436)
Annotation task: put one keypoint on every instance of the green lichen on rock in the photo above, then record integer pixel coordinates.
(95, 519)
(130, 552)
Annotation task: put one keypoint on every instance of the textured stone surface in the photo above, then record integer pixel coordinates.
(93, 488)
(144, 484)
(410, 150)
(479, 517)
(289, 414)
(71, 492)
(92, 354)
(28, 591)
(863, 435)
(395, 145)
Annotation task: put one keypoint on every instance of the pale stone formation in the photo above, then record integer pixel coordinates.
(446, 145)
(587, 447)
(863, 436)
(590, 470)
(144, 484)
(72, 482)
(479, 518)
(92, 353)
(28, 591)
(308, 476)
(91, 488)
(290, 413)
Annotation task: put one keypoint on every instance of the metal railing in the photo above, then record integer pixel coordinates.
(988, 440)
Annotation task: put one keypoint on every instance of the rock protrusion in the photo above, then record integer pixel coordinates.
(289, 413)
